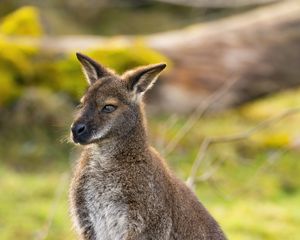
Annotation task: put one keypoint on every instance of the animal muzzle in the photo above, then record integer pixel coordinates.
(80, 133)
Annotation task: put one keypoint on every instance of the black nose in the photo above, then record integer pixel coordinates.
(79, 129)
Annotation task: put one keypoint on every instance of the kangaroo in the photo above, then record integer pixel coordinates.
(122, 188)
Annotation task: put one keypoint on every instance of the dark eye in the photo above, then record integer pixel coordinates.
(108, 108)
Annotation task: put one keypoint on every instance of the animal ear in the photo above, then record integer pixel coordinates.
(91, 69)
(143, 78)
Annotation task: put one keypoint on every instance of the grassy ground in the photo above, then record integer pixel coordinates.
(250, 186)
(32, 207)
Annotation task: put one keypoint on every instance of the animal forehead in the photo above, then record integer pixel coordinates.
(108, 88)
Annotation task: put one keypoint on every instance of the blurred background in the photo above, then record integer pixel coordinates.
(225, 114)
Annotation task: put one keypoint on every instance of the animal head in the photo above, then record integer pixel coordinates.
(111, 105)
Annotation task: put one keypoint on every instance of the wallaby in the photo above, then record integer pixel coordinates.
(122, 188)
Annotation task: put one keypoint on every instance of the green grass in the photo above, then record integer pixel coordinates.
(28, 201)
(253, 192)
(244, 218)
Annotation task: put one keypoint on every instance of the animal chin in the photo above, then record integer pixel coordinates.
(82, 140)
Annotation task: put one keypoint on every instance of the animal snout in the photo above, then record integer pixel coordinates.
(79, 132)
(79, 129)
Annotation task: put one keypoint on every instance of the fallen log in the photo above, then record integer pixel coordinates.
(259, 49)
(217, 3)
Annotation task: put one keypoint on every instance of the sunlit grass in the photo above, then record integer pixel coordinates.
(246, 218)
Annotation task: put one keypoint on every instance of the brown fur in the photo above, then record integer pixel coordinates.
(121, 187)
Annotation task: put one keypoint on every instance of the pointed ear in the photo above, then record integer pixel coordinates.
(91, 69)
(143, 78)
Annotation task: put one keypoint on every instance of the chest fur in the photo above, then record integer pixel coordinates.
(99, 205)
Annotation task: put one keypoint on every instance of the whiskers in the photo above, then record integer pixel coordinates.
(66, 138)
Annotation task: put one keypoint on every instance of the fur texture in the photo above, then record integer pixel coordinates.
(121, 188)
